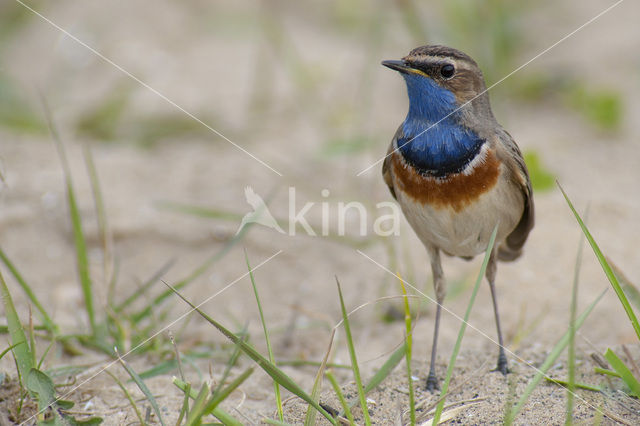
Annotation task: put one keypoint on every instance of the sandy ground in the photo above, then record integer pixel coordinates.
(210, 68)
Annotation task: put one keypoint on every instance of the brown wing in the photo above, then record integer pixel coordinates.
(387, 173)
(512, 247)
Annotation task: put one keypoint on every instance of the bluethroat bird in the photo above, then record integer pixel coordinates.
(455, 172)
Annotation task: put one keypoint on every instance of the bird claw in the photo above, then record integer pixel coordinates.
(502, 365)
(432, 382)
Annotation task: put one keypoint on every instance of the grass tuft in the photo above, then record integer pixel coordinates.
(277, 374)
(276, 387)
(204, 406)
(408, 353)
(38, 384)
(354, 360)
(190, 393)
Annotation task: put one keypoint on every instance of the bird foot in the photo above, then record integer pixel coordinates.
(432, 382)
(502, 365)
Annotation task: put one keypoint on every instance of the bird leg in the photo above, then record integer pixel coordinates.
(491, 277)
(440, 290)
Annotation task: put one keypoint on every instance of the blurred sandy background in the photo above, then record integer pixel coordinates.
(299, 85)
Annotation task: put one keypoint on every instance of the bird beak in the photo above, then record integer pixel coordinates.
(399, 66)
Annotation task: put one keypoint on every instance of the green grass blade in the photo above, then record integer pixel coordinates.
(307, 362)
(4, 330)
(386, 369)
(184, 410)
(389, 365)
(145, 390)
(46, 319)
(625, 373)
(278, 375)
(276, 387)
(341, 398)
(549, 361)
(224, 393)
(159, 369)
(611, 276)
(21, 349)
(601, 370)
(203, 407)
(45, 353)
(630, 289)
(354, 360)
(195, 415)
(111, 289)
(244, 336)
(126, 393)
(463, 327)
(9, 349)
(408, 354)
(82, 259)
(32, 339)
(103, 226)
(218, 412)
(276, 422)
(575, 384)
(310, 418)
(571, 356)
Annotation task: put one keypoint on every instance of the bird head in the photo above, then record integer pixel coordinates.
(440, 80)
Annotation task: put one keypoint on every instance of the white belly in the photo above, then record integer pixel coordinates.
(466, 233)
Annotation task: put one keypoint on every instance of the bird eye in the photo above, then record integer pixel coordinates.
(447, 71)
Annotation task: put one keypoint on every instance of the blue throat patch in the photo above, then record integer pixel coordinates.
(445, 148)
